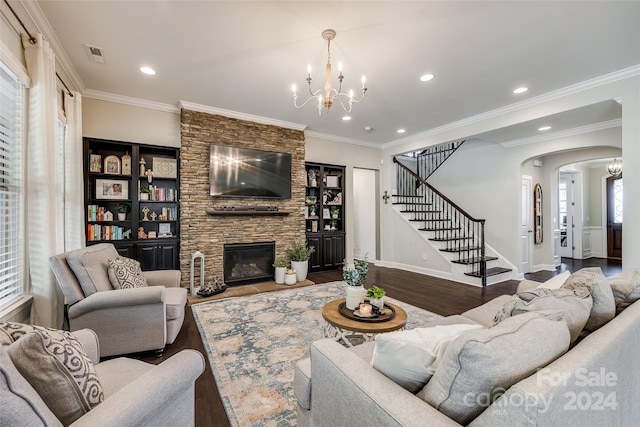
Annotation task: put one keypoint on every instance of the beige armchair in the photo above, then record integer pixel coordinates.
(125, 320)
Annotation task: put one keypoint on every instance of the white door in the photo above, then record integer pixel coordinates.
(566, 205)
(365, 214)
(526, 224)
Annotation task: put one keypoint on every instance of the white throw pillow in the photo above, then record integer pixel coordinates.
(410, 357)
(556, 281)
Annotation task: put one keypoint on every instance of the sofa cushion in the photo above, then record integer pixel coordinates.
(302, 382)
(175, 300)
(556, 281)
(410, 357)
(21, 405)
(626, 288)
(125, 273)
(574, 306)
(55, 365)
(604, 306)
(480, 365)
(90, 267)
(485, 313)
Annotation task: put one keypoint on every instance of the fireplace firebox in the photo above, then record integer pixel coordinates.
(248, 262)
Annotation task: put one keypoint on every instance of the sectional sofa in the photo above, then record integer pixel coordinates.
(560, 375)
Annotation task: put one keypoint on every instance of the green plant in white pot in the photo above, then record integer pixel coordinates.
(299, 254)
(281, 265)
(123, 210)
(355, 275)
(376, 296)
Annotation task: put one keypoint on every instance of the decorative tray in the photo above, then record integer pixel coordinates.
(210, 291)
(387, 313)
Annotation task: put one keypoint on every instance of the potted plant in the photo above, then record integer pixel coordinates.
(280, 264)
(299, 254)
(145, 193)
(335, 212)
(355, 276)
(376, 296)
(123, 210)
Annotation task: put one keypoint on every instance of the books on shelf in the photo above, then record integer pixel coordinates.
(96, 232)
(161, 194)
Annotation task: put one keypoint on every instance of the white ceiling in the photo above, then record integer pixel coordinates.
(244, 56)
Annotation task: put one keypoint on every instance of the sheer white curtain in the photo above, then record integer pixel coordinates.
(44, 223)
(73, 184)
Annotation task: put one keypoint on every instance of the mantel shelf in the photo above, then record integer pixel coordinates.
(248, 212)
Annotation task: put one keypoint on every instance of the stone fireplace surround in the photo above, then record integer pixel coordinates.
(208, 234)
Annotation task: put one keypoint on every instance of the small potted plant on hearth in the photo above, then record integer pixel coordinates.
(376, 296)
(299, 254)
(123, 210)
(290, 277)
(281, 265)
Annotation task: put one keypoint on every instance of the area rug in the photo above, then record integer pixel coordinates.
(253, 343)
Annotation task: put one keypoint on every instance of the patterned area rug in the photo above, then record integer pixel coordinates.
(253, 343)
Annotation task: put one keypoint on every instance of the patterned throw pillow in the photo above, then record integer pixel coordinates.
(11, 331)
(56, 366)
(125, 273)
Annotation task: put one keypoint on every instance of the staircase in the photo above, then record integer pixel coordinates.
(452, 230)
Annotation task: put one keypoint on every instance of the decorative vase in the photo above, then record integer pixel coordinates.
(301, 268)
(290, 279)
(377, 302)
(280, 275)
(122, 216)
(355, 296)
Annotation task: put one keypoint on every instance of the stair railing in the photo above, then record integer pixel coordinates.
(430, 159)
(460, 233)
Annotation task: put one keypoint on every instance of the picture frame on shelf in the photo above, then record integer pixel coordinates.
(164, 167)
(112, 189)
(95, 163)
(112, 165)
(164, 230)
(332, 181)
(325, 213)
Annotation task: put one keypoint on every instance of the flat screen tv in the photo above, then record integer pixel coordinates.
(243, 172)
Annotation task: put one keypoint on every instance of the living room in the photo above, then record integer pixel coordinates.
(484, 176)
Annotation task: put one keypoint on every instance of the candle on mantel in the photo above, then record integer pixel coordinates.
(365, 309)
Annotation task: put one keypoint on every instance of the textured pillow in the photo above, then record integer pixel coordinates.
(626, 288)
(12, 331)
(604, 306)
(410, 357)
(574, 306)
(90, 267)
(125, 273)
(56, 366)
(480, 365)
(556, 281)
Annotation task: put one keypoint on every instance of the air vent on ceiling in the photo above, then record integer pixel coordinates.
(94, 53)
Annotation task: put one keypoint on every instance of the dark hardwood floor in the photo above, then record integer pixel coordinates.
(433, 294)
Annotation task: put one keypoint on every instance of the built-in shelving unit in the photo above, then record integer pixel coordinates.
(324, 215)
(116, 178)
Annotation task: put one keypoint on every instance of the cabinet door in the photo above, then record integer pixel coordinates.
(333, 250)
(315, 261)
(166, 256)
(125, 250)
(147, 256)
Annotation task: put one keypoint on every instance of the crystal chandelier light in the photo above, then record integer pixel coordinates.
(615, 168)
(329, 94)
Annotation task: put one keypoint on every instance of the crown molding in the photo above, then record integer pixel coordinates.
(32, 8)
(563, 134)
(615, 76)
(343, 140)
(134, 102)
(240, 116)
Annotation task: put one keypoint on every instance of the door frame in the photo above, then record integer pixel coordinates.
(526, 230)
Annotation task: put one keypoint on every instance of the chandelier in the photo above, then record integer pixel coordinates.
(614, 168)
(327, 96)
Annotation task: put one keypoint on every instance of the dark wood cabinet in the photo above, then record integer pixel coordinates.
(117, 178)
(324, 215)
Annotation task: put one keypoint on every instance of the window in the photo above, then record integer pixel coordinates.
(12, 122)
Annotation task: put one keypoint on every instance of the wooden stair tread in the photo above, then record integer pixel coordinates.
(461, 249)
(490, 272)
(437, 229)
(419, 211)
(449, 239)
(468, 261)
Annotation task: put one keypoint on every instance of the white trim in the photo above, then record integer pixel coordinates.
(240, 116)
(328, 137)
(564, 134)
(14, 65)
(134, 102)
(22, 304)
(549, 96)
(545, 267)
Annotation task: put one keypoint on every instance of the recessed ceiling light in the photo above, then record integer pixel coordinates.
(427, 77)
(346, 118)
(401, 131)
(520, 90)
(544, 128)
(148, 71)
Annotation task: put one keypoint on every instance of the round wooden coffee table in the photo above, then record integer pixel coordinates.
(340, 328)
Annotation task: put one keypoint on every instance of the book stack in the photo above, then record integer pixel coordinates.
(97, 232)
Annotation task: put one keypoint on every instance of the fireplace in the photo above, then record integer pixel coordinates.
(248, 262)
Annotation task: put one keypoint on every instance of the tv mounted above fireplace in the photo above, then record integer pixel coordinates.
(244, 172)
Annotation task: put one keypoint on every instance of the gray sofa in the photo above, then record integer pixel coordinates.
(136, 393)
(595, 383)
